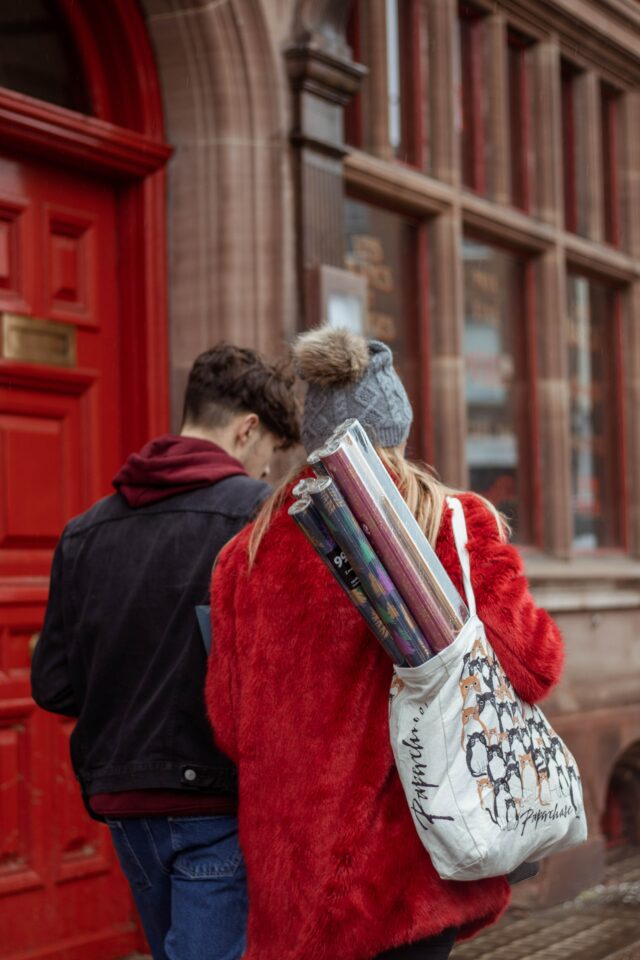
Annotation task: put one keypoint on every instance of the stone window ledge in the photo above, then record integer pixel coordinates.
(584, 583)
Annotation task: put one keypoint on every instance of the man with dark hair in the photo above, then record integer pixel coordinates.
(121, 651)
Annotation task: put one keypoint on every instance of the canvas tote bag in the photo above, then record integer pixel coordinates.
(488, 781)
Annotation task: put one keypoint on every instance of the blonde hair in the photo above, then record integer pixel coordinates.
(423, 492)
(267, 510)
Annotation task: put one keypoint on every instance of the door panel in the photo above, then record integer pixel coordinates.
(42, 469)
(61, 893)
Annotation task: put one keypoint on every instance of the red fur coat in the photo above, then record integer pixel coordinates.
(297, 693)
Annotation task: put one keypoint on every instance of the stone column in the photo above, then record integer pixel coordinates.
(447, 360)
(548, 199)
(444, 93)
(553, 404)
(552, 382)
(589, 197)
(375, 92)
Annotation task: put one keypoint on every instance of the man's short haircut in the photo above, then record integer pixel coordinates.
(228, 380)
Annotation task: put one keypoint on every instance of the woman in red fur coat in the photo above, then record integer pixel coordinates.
(297, 693)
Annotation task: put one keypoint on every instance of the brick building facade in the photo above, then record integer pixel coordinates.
(460, 179)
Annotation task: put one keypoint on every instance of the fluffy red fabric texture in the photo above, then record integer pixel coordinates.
(297, 692)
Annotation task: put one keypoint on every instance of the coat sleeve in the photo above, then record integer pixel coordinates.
(526, 639)
(51, 686)
(223, 682)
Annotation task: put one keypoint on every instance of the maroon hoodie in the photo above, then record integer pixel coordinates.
(172, 464)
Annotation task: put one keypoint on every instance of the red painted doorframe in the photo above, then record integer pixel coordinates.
(123, 142)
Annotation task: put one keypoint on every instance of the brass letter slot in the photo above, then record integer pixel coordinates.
(37, 341)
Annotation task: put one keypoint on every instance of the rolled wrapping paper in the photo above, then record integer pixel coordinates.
(310, 522)
(374, 578)
(395, 534)
(300, 487)
(315, 462)
(315, 458)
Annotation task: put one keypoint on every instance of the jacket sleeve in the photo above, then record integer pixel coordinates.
(50, 678)
(526, 639)
(223, 682)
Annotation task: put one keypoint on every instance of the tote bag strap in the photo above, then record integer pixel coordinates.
(460, 537)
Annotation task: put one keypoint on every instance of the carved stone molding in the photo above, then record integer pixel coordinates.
(322, 23)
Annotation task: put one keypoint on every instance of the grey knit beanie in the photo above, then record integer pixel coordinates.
(348, 376)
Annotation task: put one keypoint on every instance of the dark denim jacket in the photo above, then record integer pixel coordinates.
(120, 648)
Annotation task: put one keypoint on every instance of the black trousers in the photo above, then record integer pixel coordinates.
(435, 948)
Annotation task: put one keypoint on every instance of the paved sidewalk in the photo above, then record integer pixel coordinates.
(602, 923)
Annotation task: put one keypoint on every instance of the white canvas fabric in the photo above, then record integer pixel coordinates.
(488, 781)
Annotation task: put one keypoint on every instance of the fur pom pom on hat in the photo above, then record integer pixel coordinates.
(349, 376)
(329, 356)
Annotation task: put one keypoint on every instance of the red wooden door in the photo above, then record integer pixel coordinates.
(61, 893)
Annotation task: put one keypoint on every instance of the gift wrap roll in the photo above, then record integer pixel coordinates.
(310, 522)
(374, 578)
(301, 486)
(401, 545)
(315, 462)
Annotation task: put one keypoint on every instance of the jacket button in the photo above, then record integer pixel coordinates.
(190, 775)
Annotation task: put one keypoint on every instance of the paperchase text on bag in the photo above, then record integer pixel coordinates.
(419, 781)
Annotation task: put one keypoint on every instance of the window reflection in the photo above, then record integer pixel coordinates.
(591, 308)
(470, 82)
(393, 74)
(37, 55)
(568, 78)
(519, 118)
(382, 246)
(498, 429)
(609, 108)
(382, 117)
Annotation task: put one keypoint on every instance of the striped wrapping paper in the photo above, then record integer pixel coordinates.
(310, 522)
(395, 535)
(374, 578)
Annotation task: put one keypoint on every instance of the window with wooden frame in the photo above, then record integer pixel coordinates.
(508, 265)
(568, 78)
(596, 434)
(499, 382)
(519, 99)
(389, 249)
(471, 69)
(386, 117)
(609, 125)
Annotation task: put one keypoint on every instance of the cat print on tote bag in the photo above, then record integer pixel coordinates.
(516, 758)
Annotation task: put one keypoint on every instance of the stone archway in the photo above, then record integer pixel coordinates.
(621, 817)
(225, 94)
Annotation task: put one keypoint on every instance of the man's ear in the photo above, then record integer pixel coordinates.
(246, 428)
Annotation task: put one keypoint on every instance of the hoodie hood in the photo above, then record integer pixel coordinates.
(170, 465)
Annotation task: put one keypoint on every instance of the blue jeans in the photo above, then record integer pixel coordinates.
(188, 881)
